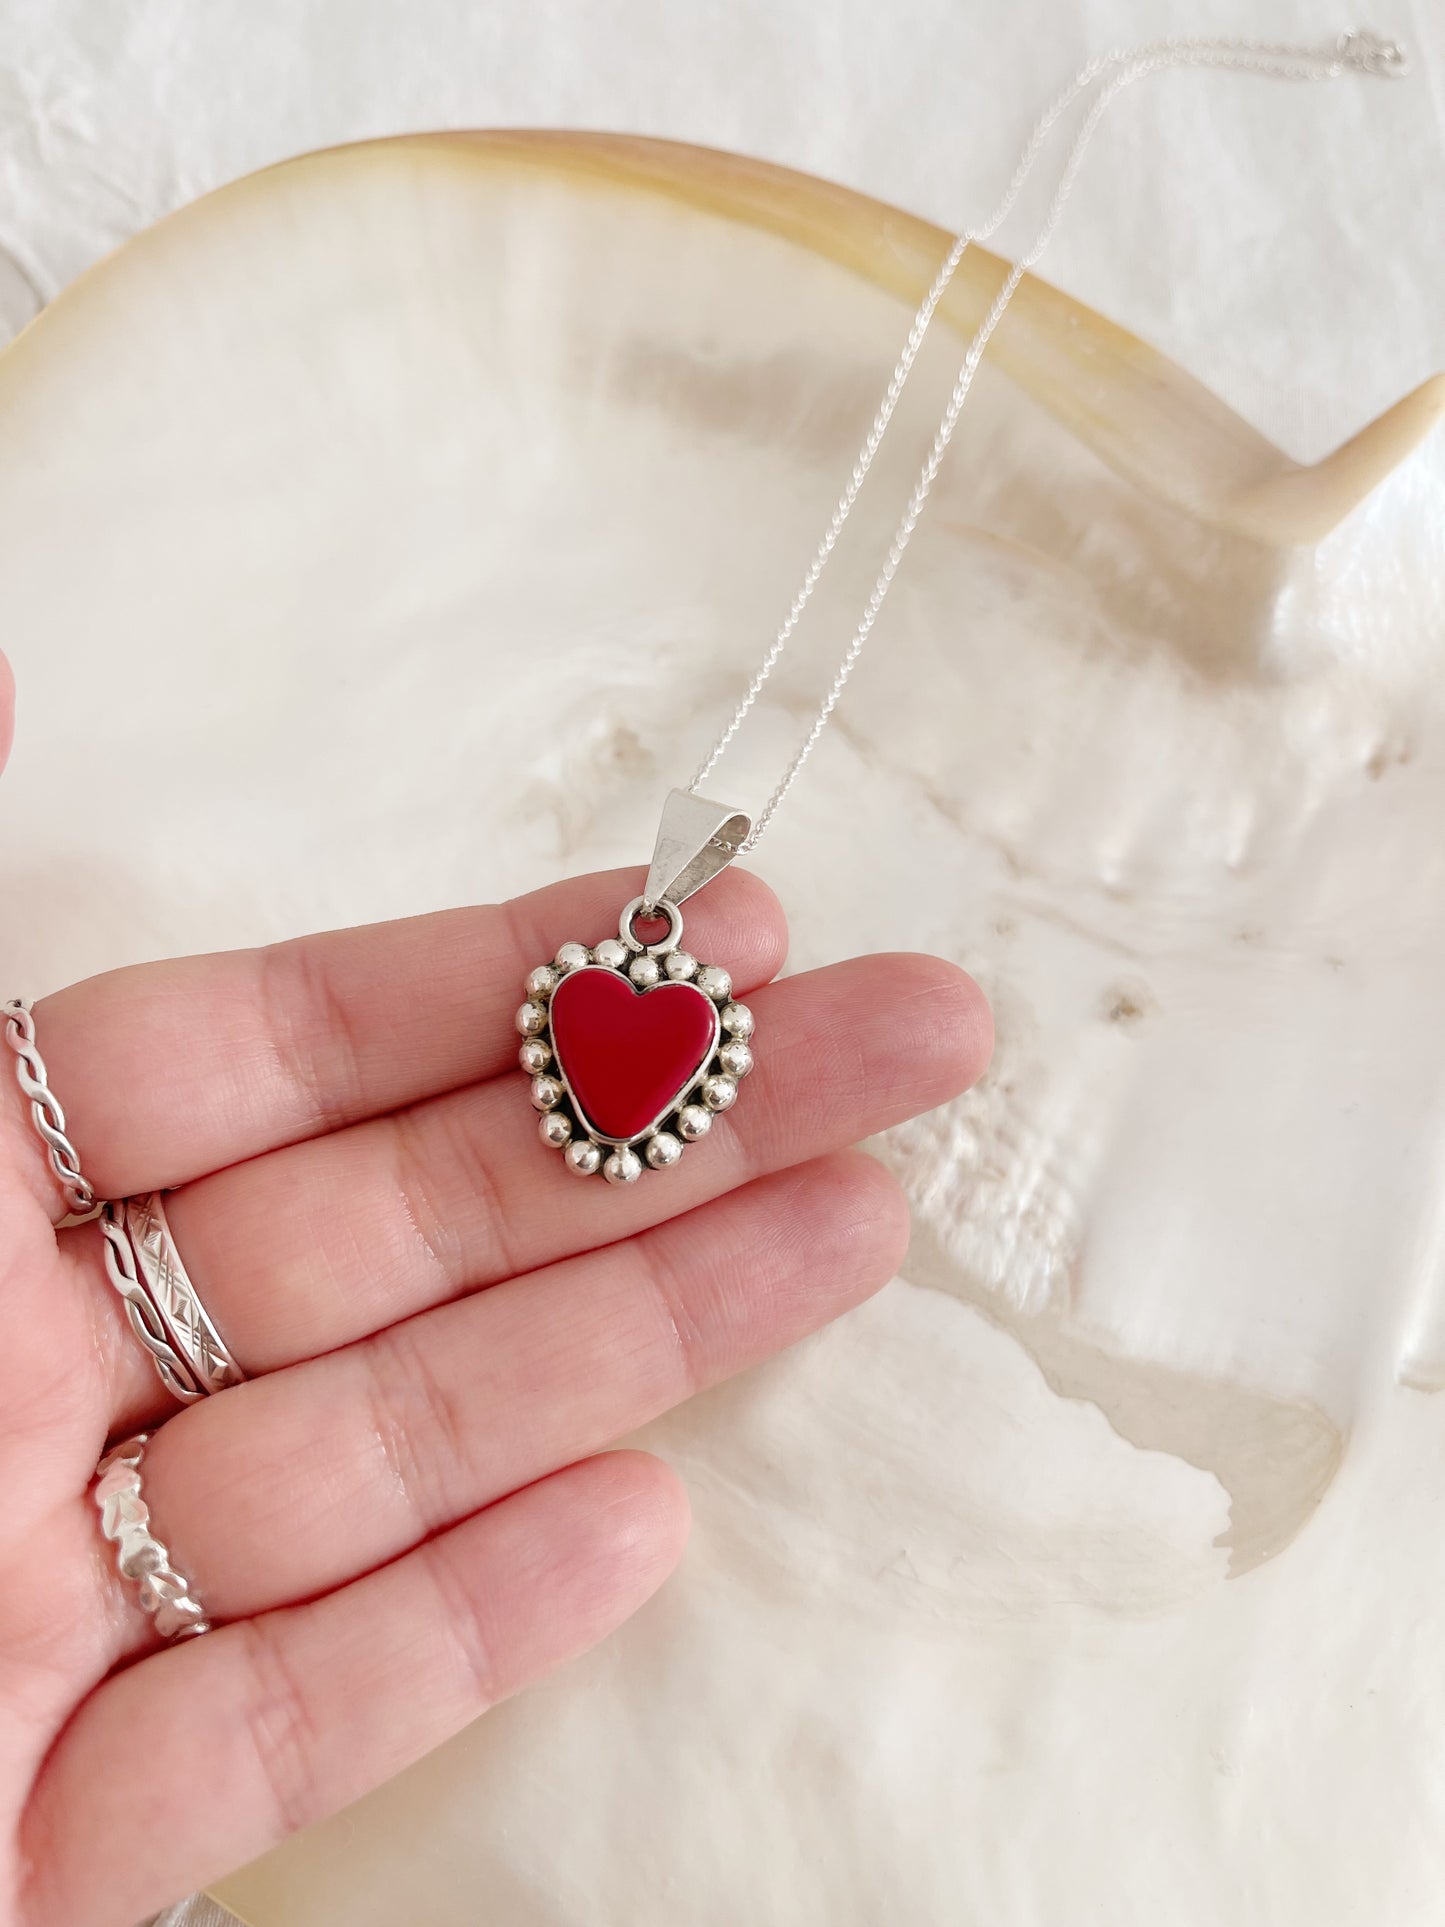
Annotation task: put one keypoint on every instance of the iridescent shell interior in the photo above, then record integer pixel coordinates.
(392, 529)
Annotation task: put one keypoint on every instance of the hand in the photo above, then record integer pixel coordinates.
(398, 1519)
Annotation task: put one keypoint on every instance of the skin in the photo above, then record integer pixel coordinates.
(409, 1511)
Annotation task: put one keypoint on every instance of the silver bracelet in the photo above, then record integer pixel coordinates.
(126, 1521)
(45, 1106)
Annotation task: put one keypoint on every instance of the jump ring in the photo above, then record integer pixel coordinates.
(45, 1107)
(125, 1519)
(640, 910)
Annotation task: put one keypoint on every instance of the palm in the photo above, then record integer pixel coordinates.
(396, 1520)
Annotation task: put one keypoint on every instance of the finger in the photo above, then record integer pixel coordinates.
(170, 1070)
(318, 1245)
(295, 1483)
(263, 1727)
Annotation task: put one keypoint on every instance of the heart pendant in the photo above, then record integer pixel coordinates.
(632, 1048)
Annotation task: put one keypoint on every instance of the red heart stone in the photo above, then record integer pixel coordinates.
(627, 1055)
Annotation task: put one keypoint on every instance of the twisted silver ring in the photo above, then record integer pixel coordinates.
(126, 1521)
(45, 1107)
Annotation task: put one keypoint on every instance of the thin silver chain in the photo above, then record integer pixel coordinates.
(1354, 52)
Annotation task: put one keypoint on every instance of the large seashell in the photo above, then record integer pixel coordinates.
(394, 526)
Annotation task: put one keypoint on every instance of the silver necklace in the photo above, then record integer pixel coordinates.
(633, 1045)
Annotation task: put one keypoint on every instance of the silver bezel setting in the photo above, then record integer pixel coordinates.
(725, 1030)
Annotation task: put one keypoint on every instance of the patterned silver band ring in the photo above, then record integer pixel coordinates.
(204, 1358)
(145, 1320)
(45, 1107)
(126, 1521)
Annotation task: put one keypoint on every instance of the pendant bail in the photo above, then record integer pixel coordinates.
(695, 840)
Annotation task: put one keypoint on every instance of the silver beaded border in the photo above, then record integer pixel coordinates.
(45, 1107)
(125, 1520)
(688, 1118)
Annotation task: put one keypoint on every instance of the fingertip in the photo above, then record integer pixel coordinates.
(942, 1012)
(786, 1253)
(871, 1214)
(754, 897)
(639, 1520)
(650, 1500)
(740, 923)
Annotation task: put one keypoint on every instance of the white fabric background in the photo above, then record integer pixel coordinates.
(1211, 207)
